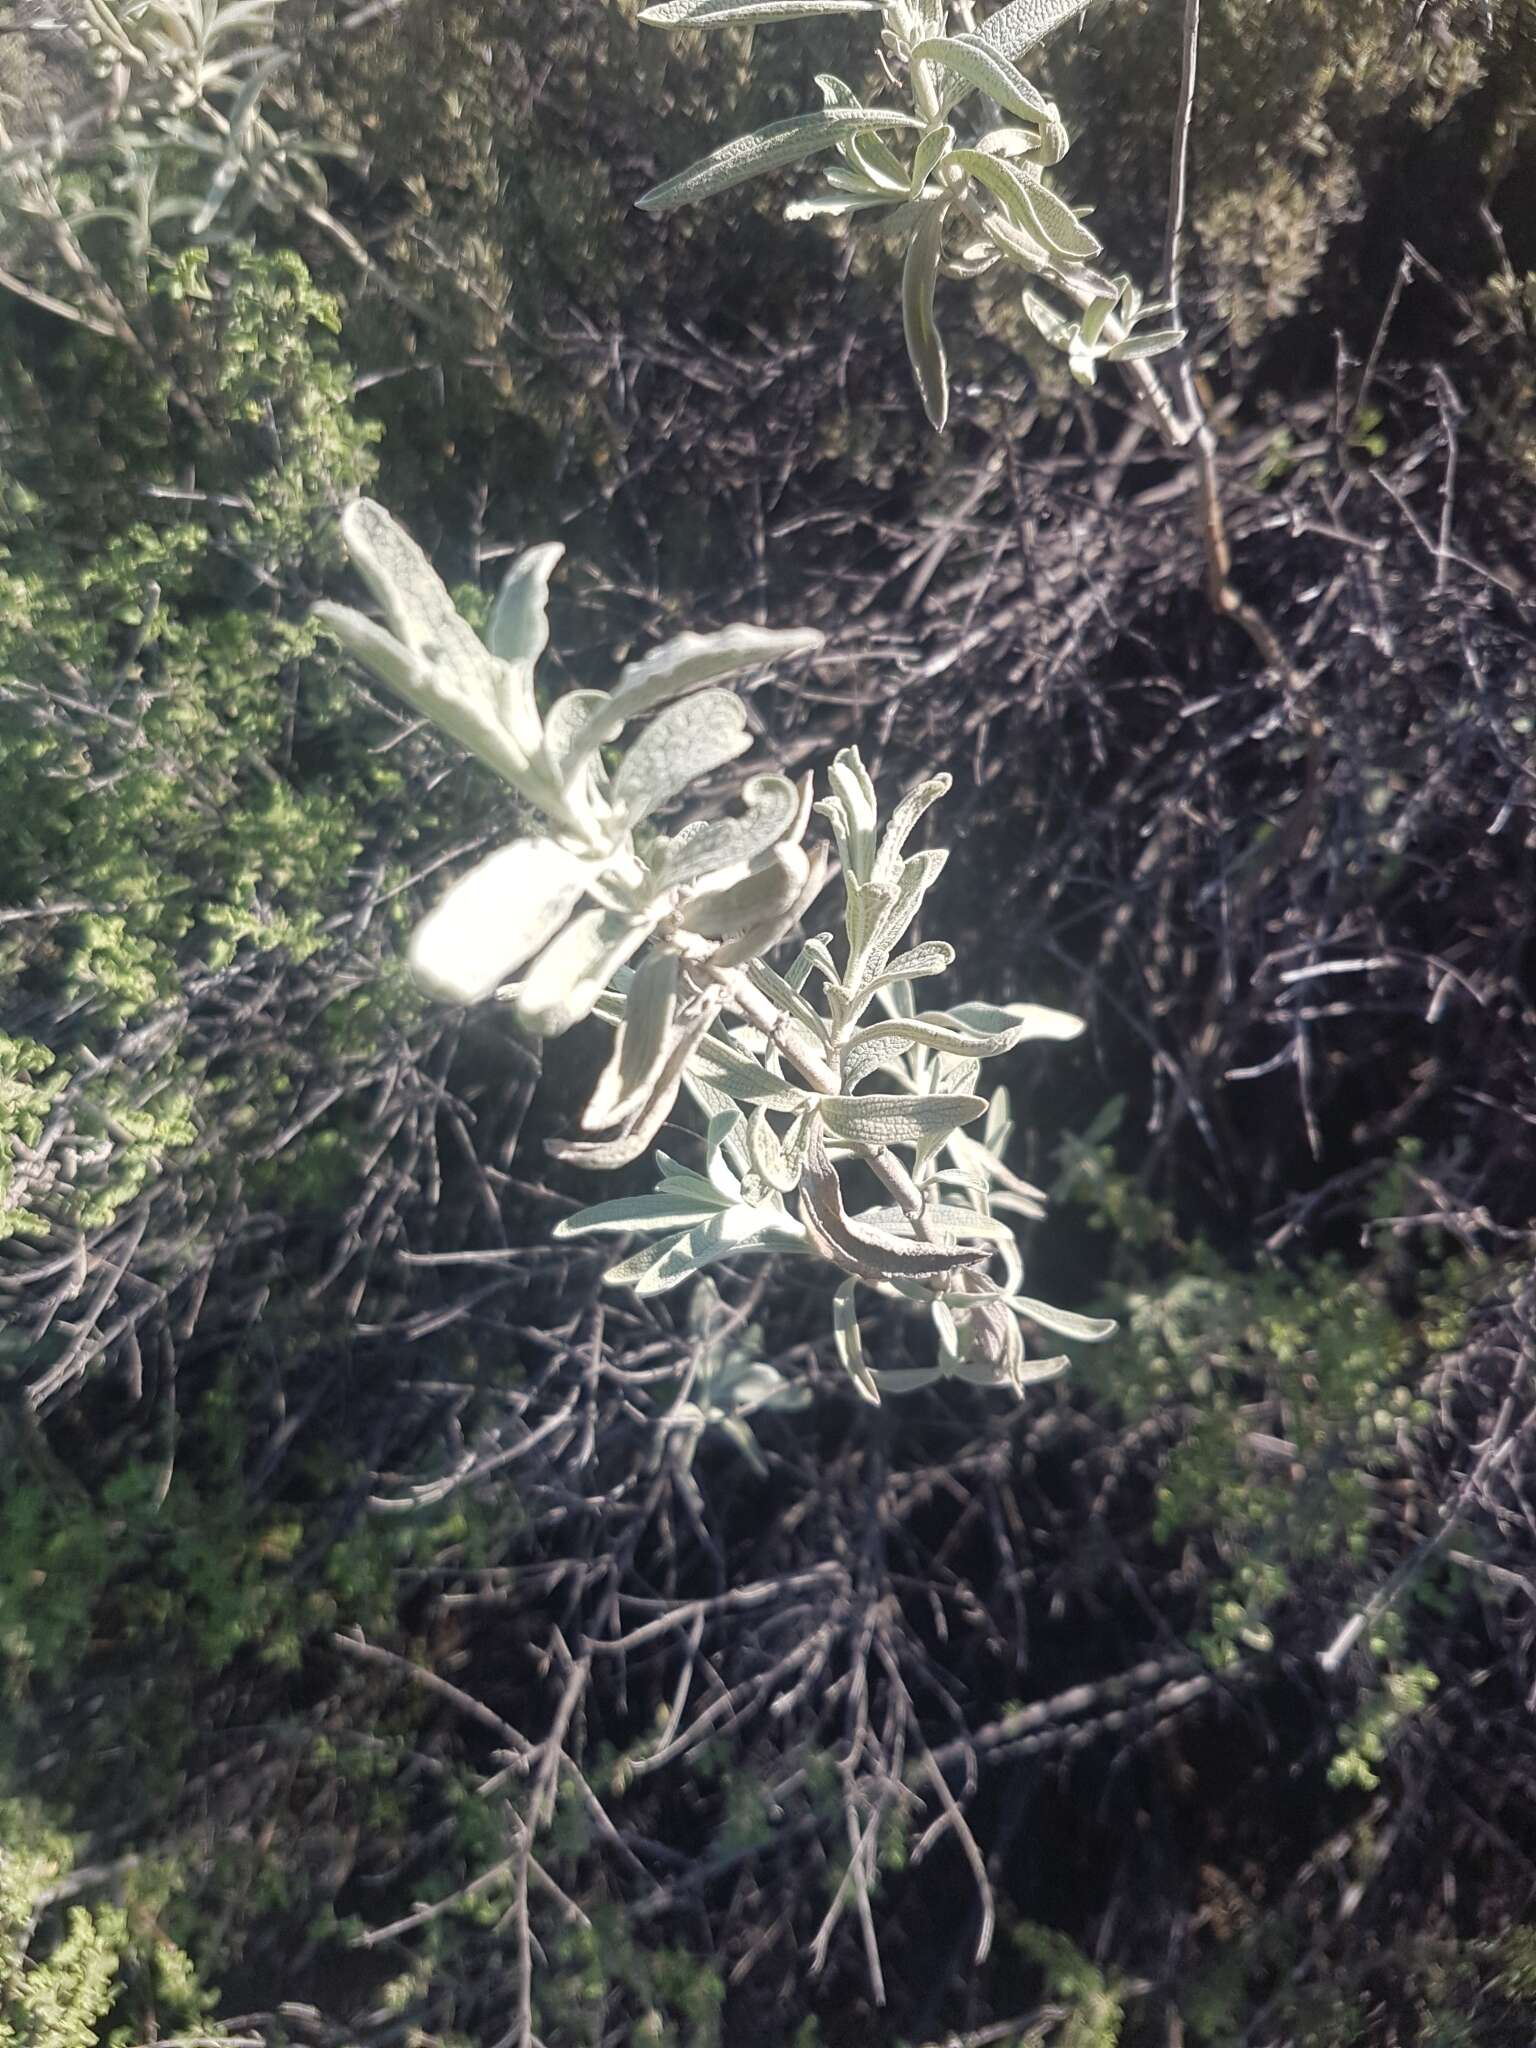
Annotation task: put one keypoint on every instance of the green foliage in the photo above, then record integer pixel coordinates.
(1095, 2007)
(1303, 1392)
(1404, 1692)
(176, 1555)
(203, 805)
(94, 1977)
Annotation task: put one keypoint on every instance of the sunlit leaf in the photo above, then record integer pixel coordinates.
(684, 741)
(746, 13)
(573, 970)
(769, 149)
(897, 1119)
(494, 918)
(980, 67)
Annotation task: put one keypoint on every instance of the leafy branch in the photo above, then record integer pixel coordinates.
(777, 1062)
(971, 196)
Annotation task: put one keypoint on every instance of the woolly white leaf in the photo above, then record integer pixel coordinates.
(636, 1212)
(1023, 1021)
(731, 1231)
(978, 67)
(850, 1345)
(494, 918)
(753, 902)
(1062, 1322)
(448, 676)
(1038, 211)
(770, 803)
(642, 1043)
(740, 1079)
(1137, 347)
(682, 743)
(573, 970)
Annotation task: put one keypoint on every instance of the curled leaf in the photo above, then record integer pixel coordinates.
(642, 1042)
(748, 905)
(770, 805)
(862, 1250)
(850, 1345)
(925, 346)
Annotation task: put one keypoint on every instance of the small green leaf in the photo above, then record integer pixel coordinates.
(769, 149)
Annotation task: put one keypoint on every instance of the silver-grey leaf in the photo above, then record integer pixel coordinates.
(455, 681)
(1062, 1322)
(1138, 347)
(494, 918)
(684, 741)
(925, 345)
(897, 1119)
(746, 13)
(1037, 210)
(769, 149)
(1023, 23)
(571, 973)
(637, 1212)
(519, 628)
(641, 1045)
(980, 67)
(756, 901)
(1024, 1021)
(740, 1079)
(681, 666)
(770, 804)
(894, 839)
(850, 1344)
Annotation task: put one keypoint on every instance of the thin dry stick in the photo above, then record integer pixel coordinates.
(1222, 593)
